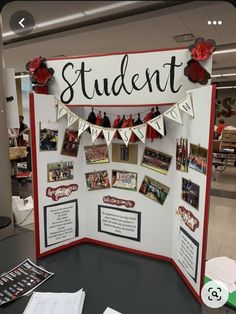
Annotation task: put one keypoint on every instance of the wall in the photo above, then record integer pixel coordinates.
(5, 178)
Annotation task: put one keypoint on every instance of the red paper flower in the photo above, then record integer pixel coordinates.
(202, 49)
(196, 73)
(40, 89)
(42, 75)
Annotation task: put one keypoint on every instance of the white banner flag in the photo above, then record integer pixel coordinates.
(61, 110)
(186, 105)
(83, 125)
(108, 135)
(157, 124)
(140, 131)
(174, 114)
(71, 118)
(95, 131)
(125, 134)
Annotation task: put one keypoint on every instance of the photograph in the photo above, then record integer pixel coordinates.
(48, 136)
(155, 160)
(125, 154)
(97, 180)
(60, 171)
(154, 190)
(70, 143)
(182, 154)
(124, 180)
(190, 192)
(96, 154)
(198, 158)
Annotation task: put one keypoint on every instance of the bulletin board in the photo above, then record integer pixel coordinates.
(153, 204)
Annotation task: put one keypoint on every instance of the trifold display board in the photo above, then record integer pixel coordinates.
(149, 197)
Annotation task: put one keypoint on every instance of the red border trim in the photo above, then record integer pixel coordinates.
(116, 53)
(188, 284)
(122, 248)
(113, 106)
(208, 185)
(34, 171)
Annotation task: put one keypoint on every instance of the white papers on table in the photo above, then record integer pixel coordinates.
(223, 269)
(56, 303)
(110, 311)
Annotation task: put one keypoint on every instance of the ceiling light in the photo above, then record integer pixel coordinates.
(224, 51)
(77, 16)
(109, 7)
(183, 38)
(21, 75)
(223, 75)
(225, 87)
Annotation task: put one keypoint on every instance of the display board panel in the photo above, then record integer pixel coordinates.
(168, 207)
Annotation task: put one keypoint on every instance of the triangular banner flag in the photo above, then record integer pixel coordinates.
(125, 134)
(157, 124)
(108, 135)
(174, 114)
(83, 125)
(186, 105)
(140, 131)
(95, 131)
(71, 118)
(61, 110)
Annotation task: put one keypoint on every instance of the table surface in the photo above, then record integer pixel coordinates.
(128, 283)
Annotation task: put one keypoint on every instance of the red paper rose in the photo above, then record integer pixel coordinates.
(202, 49)
(40, 89)
(196, 73)
(40, 75)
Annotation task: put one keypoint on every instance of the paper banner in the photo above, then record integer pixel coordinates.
(83, 125)
(157, 123)
(61, 110)
(186, 105)
(108, 135)
(125, 134)
(140, 131)
(174, 114)
(71, 118)
(95, 131)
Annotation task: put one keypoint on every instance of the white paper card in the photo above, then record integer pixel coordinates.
(108, 135)
(61, 110)
(83, 125)
(174, 114)
(72, 118)
(110, 311)
(125, 134)
(186, 105)
(157, 124)
(140, 131)
(95, 131)
(56, 303)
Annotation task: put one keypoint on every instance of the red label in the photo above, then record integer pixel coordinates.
(61, 191)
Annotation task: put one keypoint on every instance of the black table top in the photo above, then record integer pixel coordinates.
(128, 283)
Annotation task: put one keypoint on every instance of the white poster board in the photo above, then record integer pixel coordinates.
(135, 78)
(124, 217)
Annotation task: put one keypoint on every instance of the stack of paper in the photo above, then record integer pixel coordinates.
(223, 269)
(56, 303)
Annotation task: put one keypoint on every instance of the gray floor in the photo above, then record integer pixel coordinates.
(222, 219)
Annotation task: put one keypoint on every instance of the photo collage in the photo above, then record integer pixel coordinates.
(195, 157)
(152, 159)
